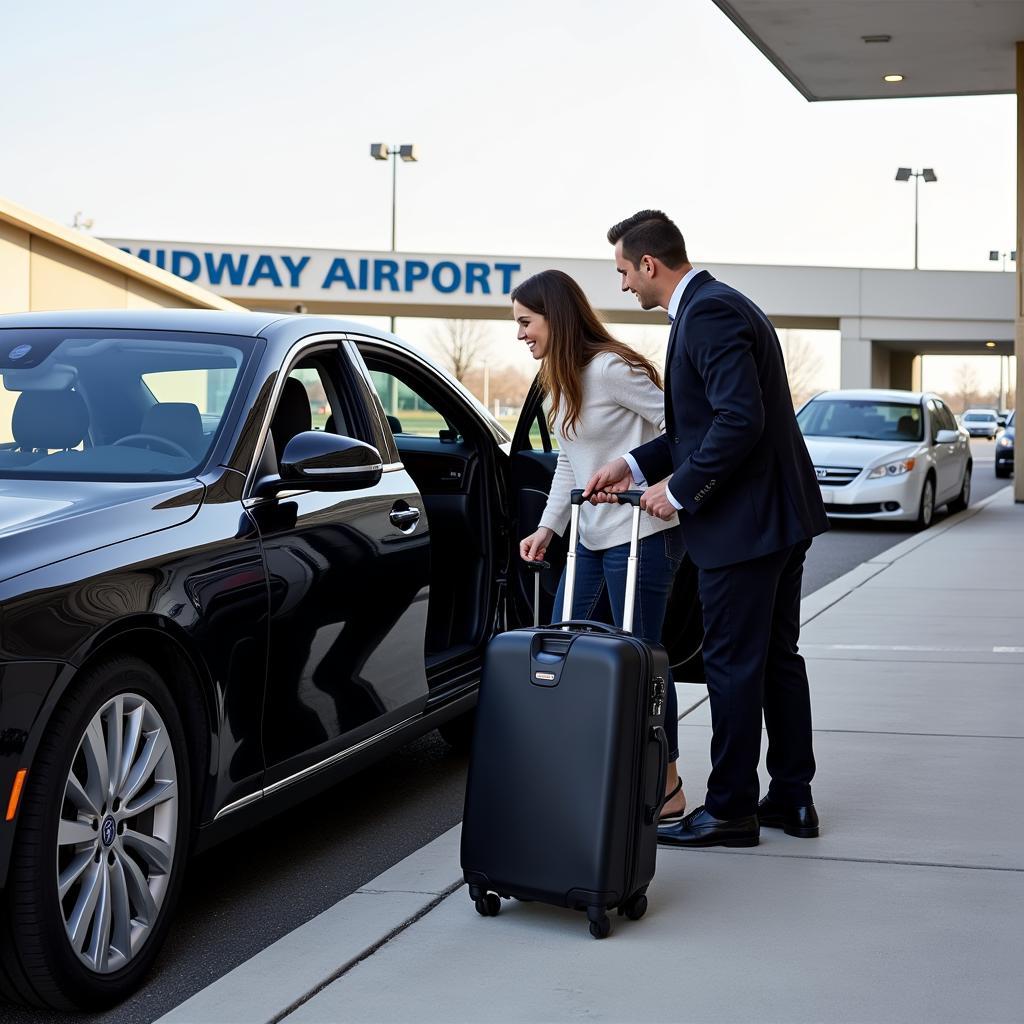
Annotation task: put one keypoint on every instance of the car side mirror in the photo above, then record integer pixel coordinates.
(947, 437)
(395, 424)
(318, 461)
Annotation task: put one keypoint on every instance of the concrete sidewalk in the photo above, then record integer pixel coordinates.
(910, 907)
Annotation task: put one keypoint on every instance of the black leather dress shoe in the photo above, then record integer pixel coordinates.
(799, 821)
(700, 828)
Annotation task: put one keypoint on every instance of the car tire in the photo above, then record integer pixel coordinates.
(926, 507)
(963, 499)
(1002, 473)
(458, 732)
(91, 889)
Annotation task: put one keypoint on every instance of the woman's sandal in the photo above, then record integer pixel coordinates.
(673, 815)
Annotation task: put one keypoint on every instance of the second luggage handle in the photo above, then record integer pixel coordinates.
(624, 497)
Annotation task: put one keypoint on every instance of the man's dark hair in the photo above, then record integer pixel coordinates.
(650, 233)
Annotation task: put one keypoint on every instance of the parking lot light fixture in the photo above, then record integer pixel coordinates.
(408, 155)
(905, 174)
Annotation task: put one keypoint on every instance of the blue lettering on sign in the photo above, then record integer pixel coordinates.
(455, 277)
(265, 268)
(178, 257)
(415, 270)
(339, 272)
(478, 273)
(387, 275)
(506, 270)
(385, 270)
(294, 269)
(226, 263)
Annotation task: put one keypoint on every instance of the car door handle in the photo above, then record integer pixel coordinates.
(404, 518)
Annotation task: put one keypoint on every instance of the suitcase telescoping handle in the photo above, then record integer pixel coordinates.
(537, 568)
(627, 498)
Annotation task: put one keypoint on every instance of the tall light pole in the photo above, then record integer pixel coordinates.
(407, 153)
(905, 174)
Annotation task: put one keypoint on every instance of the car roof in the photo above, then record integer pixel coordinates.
(203, 321)
(244, 323)
(984, 409)
(875, 394)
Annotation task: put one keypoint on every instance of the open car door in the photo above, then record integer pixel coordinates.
(533, 458)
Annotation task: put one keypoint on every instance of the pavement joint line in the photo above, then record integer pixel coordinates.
(890, 732)
(899, 661)
(919, 648)
(856, 860)
(693, 707)
(367, 952)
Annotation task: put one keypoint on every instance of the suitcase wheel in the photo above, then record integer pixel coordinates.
(488, 905)
(635, 907)
(600, 924)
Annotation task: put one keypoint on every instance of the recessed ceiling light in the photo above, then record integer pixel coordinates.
(990, 344)
(894, 78)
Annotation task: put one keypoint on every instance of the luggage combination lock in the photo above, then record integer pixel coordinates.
(658, 699)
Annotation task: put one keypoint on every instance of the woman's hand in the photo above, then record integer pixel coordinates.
(534, 547)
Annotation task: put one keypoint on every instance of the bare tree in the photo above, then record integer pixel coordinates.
(803, 365)
(461, 343)
(966, 385)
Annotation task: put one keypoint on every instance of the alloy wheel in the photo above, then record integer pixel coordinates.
(116, 834)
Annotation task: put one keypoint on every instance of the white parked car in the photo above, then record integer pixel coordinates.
(888, 455)
(981, 422)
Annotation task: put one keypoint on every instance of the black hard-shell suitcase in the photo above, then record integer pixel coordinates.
(566, 775)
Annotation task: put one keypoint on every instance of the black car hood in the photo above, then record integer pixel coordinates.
(46, 521)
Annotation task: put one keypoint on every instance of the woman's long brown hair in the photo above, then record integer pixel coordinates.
(575, 336)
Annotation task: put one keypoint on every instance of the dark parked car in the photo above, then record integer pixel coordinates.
(1004, 446)
(209, 610)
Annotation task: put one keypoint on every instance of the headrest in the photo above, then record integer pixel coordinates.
(179, 422)
(292, 415)
(49, 419)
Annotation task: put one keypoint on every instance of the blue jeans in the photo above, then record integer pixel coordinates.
(601, 580)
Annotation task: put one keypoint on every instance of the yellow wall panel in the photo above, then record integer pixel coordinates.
(14, 269)
(64, 279)
(144, 296)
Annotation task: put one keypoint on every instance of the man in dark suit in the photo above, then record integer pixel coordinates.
(733, 462)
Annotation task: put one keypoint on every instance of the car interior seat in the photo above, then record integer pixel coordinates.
(292, 415)
(45, 421)
(179, 422)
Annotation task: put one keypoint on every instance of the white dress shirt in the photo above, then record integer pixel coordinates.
(673, 309)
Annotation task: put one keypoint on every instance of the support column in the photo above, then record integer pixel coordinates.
(854, 355)
(1018, 448)
(902, 366)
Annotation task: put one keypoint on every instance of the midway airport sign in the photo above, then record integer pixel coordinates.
(321, 279)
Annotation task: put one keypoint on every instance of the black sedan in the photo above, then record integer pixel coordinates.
(241, 555)
(1004, 446)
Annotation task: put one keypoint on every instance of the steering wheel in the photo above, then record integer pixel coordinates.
(168, 446)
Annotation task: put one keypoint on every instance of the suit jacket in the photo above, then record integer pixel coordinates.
(732, 448)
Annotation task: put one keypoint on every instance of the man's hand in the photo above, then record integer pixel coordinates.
(613, 477)
(656, 502)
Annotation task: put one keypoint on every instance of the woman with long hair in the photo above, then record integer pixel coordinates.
(605, 399)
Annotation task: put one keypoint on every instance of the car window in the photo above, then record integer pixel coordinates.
(407, 410)
(113, 405)
(873, 420)
(947, 418)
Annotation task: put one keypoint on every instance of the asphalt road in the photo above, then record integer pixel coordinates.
(247, 893)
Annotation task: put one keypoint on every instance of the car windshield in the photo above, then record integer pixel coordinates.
(861, 418)
(979, 417)
(113, 405)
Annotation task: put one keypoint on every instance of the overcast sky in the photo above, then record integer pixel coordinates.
(538, 124)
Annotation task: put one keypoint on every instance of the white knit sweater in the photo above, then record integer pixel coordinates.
(622, 409)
